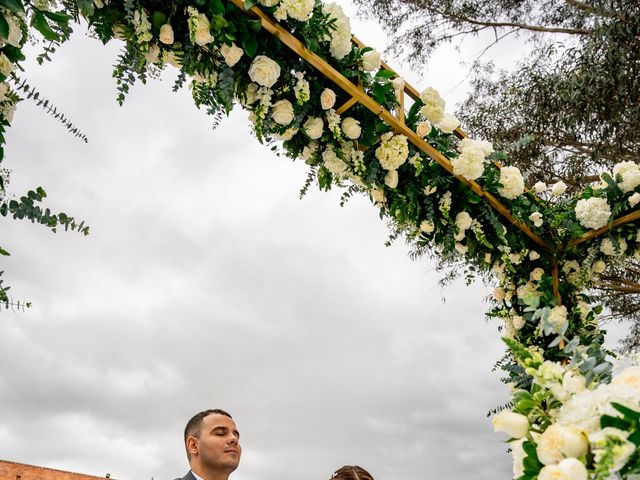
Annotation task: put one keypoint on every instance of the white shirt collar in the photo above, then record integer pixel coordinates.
(195, 475)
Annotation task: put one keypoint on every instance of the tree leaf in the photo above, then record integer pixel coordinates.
(250, 45)
(13, 5)
(40, 23)
(57, 16)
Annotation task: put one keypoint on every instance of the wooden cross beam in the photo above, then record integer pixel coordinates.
(356, 93)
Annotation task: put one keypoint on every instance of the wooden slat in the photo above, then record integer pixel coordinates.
(332, 74)
(630, 217)
(347, 105)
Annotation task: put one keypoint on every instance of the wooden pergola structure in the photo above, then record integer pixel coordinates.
(396, 121)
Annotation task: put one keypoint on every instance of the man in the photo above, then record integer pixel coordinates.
(211, 439)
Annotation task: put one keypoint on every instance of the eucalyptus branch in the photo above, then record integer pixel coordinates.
(47, 106)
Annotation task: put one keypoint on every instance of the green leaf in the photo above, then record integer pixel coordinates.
(629, 414)
(386, 74)
(13, 5)
(379, 94)
(250, 46)
(157, 20)
(249, 3)
(609, 421)
(255, 25)
(4, 27)
(57, 17)
(218, 22)
(40, 23)
(635, 438)
(4, 252)
(216, 7)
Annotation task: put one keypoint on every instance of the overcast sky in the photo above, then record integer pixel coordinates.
(207, 283)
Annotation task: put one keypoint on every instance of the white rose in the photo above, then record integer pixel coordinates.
(536, 218)
(203, 31)
(371, 61)
(539, 187)
(634, 199)
(518, 322)
(559, 442)
(427, 226)
(314, 127)
(423, 129)
(462, 249)
(567, 469)
(598, 266)
(573, 382)
(463, 220)
(398, 83)
(499, 294)
(378, 196)
(15, 33)
(448, 123)
(153, 55)
(327, 99)
(264, 71)
(6, 67)
(629, 377)
(536, 274)
(282, 112)
(533, 255)
(166, 34)
(558, 188)
(391, 179)
(351, 128)
(231, 53)
(608, 248)
(513, 424)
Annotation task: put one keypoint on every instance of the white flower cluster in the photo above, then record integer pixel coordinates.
(199, 27)
(470, 163)
(593, 212)
(333, 121)
(301, 88)
(629, 173)
(300, 10)
(14, 36)
(393, 151)
(610, 249)
(142, 26)
(340, 39)
(433, 108)
(333, 163)
(512, 182)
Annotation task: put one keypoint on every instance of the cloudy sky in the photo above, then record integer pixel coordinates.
(207, 283)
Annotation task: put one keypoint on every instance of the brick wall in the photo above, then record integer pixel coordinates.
(20, 471)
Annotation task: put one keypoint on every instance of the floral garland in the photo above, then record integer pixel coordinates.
(569, 416)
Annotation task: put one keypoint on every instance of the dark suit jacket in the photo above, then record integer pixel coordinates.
(188, 476)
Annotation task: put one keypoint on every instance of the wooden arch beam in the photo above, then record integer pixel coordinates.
(398, 125)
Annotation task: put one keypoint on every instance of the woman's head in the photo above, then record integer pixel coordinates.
(349, 472)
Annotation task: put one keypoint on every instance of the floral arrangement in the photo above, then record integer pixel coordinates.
(570, 416)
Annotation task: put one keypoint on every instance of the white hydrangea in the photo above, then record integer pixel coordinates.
(512, 182)
(333, 163)
(593, 212)
(300, 10)
(340, 39)
(393, 151)
(608, 248)
(629, 173)
(470, 163)
(433, 108)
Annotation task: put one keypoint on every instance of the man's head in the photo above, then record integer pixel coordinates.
(211, 439)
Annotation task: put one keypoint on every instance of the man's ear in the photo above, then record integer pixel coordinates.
(192, 445)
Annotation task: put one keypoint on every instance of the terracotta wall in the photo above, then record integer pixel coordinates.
(20, 471)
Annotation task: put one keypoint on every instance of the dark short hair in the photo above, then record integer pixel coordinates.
(195, 424)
